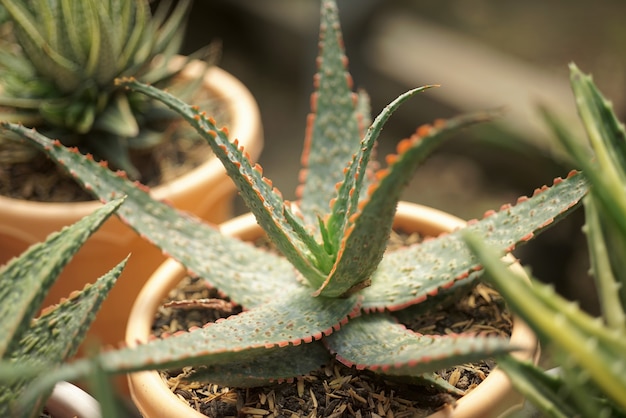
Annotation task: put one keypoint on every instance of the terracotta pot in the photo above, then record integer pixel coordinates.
(154, 399)
(69, 401)
(206, 191)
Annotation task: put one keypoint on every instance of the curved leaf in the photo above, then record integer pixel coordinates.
(295, 319)
(273, 366)
(332, 133)
(376, 342)
(593, 346)
(198, 246)
(53, 338)
(362, 246)
(27, 279)
(410, 275)
(350, 191)
(264, 201)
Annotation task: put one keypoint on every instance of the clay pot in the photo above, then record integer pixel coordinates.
(154, 399)
(205, 191)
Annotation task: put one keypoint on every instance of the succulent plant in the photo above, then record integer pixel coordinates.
(332, 290)
(58, 74)
(590, 352)
(30, 342)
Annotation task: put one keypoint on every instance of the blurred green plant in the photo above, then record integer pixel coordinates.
(590, 380)
(58, 68)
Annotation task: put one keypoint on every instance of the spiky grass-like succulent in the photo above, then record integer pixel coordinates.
(58, 74)
(333, 290)
(590, 352)
(29, 342)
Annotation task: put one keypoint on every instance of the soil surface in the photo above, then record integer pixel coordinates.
(42, 180)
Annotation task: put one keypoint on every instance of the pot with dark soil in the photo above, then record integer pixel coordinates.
(173, 301)
(331, 290)
(134, 134)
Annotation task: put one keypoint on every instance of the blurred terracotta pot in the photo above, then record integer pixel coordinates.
(205, 191)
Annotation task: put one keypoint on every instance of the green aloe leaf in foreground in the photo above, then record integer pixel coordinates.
(589, 352)
(27, 341)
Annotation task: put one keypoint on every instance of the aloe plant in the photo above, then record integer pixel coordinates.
(332, 290)
(59, 73)
(590, 352)
(43, 342)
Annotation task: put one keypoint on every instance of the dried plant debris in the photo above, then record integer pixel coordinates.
(333, 391)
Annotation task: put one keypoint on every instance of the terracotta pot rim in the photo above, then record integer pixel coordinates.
(477, 403)
(225, 85)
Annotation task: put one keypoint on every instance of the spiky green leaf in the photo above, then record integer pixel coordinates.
(54, 337)
(376, 342)
(410, 275)
(538, 387)
(56, 334)
(608, 288)
(265, 202)
(605, 131)
(290, 321)
(33, 273)
(595, 348)
(362, 246)
(181, 236)
(295, 319)
(332, 134)
(114, 150)
(273, 366)
(356, 176)
(606, 170)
